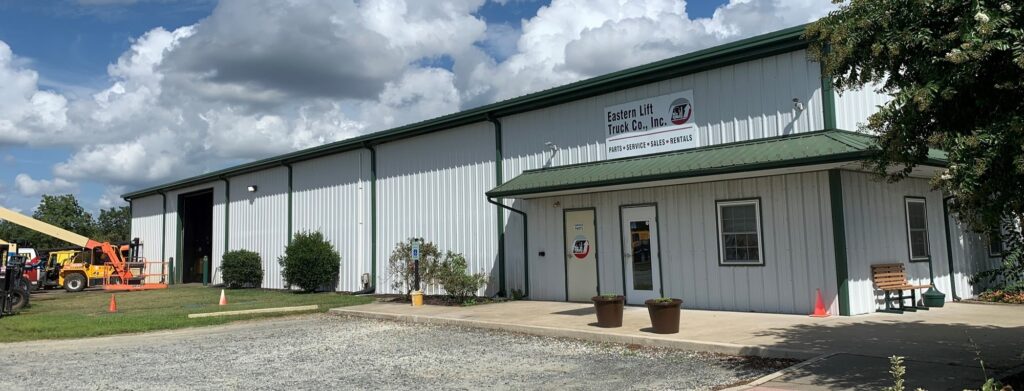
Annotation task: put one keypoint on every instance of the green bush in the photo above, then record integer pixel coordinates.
(241, 269)
(309, 262)
(453, 276)
(401, 267)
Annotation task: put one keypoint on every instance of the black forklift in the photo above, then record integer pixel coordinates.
(13, 294)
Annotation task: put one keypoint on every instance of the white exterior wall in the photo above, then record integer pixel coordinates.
(876, 232)
(259, 220)
(331, 194)
(147, 214)
(433, 186)
(749, 100)
(797, 234)
(853, 107)
(970, 256)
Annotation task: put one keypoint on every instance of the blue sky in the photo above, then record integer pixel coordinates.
(70, 45)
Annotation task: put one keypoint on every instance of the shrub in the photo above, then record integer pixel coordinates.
(309, 261)
(241, 269)
(452, 274)
(401, 267)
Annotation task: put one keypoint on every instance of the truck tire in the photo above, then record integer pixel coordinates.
(74, 282)
(26, 287)
(19, 299)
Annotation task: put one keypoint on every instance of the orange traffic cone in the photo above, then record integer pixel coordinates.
(819, 307)
(113, 304)
(223, 299)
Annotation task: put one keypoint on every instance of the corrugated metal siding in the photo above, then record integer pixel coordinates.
(331, 195)
(217, 250)
(876, 231)
(147, 215)
(259, 220)
(797, 234)
(734, 103)
(853, 107)
(970, 256)
(432, 186)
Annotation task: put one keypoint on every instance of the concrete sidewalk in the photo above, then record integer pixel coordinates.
(937, 344)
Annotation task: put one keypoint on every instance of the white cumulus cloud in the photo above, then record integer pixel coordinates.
(258, 78)
(33, 187)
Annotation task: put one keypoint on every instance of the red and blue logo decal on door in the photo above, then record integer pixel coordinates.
(580, 247)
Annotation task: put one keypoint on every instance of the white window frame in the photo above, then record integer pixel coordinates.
(760, 230)
(927, 231)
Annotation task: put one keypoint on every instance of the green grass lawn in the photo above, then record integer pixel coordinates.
(57, 315)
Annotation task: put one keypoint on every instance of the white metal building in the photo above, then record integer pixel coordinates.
(723, 177)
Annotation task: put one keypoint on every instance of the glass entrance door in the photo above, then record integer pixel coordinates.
(640, 253)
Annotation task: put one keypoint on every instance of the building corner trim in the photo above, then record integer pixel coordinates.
(227, 213)
(835, 187)
(373, 214)
(289, 166)
(163, 233)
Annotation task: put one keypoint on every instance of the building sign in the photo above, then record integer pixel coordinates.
(659, 124)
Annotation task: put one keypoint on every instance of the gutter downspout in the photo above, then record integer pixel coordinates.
(373, 218)
(526, 246)
(949, 247)
(498, 180)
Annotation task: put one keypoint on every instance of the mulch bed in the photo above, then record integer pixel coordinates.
(441, 300)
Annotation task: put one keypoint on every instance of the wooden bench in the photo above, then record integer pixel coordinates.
(890, 278)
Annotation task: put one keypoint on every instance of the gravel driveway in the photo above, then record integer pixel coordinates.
(330, 352)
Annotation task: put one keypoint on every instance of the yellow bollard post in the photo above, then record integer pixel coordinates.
(417, 298)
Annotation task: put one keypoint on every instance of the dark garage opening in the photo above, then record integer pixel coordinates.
(196, 213)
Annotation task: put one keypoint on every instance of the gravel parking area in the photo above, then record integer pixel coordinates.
(330, 352)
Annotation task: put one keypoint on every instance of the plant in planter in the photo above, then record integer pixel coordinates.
(609, 310)
(664, 312)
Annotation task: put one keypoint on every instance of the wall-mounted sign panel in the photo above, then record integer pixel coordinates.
(659, 124)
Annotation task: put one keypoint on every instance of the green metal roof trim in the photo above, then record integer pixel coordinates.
(743, 50)
(827, 146)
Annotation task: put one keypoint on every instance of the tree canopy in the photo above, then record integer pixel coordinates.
(955, 70)
(113, 224)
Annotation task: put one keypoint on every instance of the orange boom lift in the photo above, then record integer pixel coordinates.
(126, 272)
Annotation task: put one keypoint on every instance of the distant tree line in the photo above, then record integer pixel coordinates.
(111, 225)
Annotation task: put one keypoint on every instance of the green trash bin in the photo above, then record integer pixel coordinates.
(934, 298)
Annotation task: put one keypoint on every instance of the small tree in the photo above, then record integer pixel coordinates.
(309, 261)
(452, 273)
(242, 269)
(401, 267)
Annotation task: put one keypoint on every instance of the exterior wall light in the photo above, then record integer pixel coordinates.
(798, 105)
(252, 188)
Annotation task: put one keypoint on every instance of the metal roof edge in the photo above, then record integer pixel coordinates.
(746, 49)
(835, 158)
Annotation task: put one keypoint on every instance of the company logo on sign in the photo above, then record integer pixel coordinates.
(681, 110)
(580, 247)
